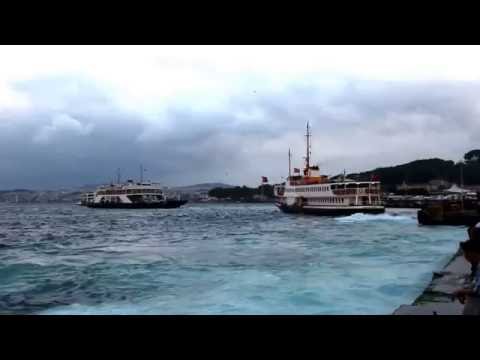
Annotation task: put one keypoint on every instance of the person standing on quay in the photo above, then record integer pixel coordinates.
(470, 296)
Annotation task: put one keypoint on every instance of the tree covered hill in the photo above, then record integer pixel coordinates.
(242, 193)
(423, 171)
(414, 172)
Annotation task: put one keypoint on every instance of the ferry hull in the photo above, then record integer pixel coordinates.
(169, 204)
(329, 211)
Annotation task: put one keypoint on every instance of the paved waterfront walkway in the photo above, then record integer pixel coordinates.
(437, 298)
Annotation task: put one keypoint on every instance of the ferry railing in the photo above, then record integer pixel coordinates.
(356, 191)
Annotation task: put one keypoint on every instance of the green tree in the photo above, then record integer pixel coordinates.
(472, 156)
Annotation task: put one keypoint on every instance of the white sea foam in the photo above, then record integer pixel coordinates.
(359, 217)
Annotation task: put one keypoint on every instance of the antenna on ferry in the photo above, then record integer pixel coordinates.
(141, 173)
(289, 163)
(308, 135)
(118, 176)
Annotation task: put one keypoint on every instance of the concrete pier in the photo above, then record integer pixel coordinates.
(437, 298)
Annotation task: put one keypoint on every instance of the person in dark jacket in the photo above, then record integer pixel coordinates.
(470, 295)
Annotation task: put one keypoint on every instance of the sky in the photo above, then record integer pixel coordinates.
(73, 115)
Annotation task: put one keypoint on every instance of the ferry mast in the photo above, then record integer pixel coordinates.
(307, 158)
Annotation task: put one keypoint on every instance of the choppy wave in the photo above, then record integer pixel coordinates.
(359, 217)
(213, 259)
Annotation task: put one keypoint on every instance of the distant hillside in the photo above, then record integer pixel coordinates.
(242, 193)
(70, 195)
(205, 187)
(32, 196)
(423, 171)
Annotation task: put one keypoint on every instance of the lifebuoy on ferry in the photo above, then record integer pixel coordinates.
(290, 201)
(300, 201)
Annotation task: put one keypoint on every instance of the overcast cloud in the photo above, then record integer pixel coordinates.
(72, 115)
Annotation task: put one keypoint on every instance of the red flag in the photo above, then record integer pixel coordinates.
(374, 178)
(295, 170)
(264, 179)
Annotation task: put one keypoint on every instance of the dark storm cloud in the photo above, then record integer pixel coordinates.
(74, 133)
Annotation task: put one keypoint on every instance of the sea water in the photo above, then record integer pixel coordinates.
(213, 259)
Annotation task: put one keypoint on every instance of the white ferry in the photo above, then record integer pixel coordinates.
(140, 195)
(313, 193)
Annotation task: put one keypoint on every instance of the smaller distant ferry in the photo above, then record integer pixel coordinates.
(131, 195)
(313, 193)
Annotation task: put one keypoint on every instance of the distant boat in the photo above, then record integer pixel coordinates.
(141, 195)
(313, 193)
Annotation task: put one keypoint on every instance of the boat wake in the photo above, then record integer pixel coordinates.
(359, 217)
